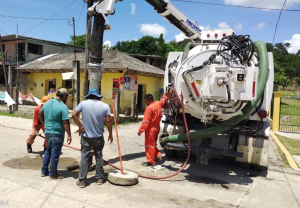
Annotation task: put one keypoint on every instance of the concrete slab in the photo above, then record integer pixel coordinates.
(297, 159)
(127, 179)
(289, 135)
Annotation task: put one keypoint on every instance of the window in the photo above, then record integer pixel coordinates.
(21, 51)
(3, 48)
(35, 49)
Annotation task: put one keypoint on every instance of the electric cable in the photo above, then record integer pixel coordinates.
(230, 5)
(32, 18)
(257, 20)
(4, 31)
(50, 17)
(80, 15)
(278, 21)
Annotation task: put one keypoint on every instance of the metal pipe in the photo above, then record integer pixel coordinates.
(241, 115)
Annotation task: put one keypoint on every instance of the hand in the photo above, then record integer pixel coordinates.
(69, 140)
(139, 134)
(110, 138)
(81, 130)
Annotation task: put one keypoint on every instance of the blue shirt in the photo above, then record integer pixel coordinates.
(55, 111)
(93, 115)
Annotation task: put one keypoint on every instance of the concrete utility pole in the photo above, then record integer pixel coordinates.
(94, 66)
(3, 64)
(87, 48)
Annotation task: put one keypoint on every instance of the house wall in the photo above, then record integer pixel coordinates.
(10, 47)
(151, 85)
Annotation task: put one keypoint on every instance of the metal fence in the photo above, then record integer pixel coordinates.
(289, 119)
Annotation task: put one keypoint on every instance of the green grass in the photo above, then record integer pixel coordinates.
(12, 115)
(290, 115)
(292, 145)
(289, 94)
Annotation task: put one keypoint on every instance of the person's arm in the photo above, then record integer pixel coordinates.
(42, 118)
(163, 99)
(68, 130)
(109, 128)
(35, 119)
(146, 121)
(66, 122)
(75, 117)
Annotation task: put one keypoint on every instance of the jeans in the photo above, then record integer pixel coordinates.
(52, 153)
(86, 144)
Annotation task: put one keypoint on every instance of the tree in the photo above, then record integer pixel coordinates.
(161, 46)
(79, 40)
(280, 79)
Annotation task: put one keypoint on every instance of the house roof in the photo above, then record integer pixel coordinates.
(114, 61)
(13, 37)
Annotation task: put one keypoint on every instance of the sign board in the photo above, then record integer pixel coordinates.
(130, 82)
(116, 87)
(121, 80)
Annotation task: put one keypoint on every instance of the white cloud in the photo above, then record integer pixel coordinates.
(274, 4)
(260, 26)
(180, 37)
(152, 29)
(223, 25)
(205, 28)
(107, 42)
(133, 8)
(238, 27)
(295, 43)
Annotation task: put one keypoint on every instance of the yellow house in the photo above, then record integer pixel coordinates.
(121, 72)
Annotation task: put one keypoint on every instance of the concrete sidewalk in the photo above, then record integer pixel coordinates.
(289, 135)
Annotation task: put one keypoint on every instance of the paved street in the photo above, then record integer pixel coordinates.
(220, 184)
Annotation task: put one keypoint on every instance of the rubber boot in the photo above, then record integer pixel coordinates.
(29, 149)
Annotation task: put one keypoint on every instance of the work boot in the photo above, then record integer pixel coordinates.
(56, 176)
(29, 149)
(146, 164)
(100, 181)
(81, 184)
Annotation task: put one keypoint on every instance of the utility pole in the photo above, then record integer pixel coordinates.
(3, 64)
(17, 78)
(87, 48)
(94, 66)
(73, 20)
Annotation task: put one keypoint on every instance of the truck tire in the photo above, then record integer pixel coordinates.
(181, 154)
(170, 153)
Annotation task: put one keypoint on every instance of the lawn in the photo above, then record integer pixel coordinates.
(292, 145)
(289, 112)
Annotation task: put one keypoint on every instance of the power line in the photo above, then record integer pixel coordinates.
(50, 17)
(230, 5)
(4, 31)
(33, 18)
(80, 15)
(247, 17)
(278, 21)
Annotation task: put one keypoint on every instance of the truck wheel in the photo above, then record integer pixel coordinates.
(170, 153)
(245, 165)
(259, 167)
(181, 154)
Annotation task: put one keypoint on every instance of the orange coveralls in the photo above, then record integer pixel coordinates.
(150, 125)
(37, 124)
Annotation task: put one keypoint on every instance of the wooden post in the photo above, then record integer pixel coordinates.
(276, 112)
(137, 113)
(117, 105)
(87, 48)
(133, 106)
(10, 92)
(76, 83)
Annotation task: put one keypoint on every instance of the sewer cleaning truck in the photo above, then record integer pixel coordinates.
(224, 84)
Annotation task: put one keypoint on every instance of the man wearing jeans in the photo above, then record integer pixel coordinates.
(93, 114)
(54, 116)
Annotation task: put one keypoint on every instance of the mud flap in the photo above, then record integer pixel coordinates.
(255, 150)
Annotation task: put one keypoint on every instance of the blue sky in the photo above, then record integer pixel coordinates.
(136, 18)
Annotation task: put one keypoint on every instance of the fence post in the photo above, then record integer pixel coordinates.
(133, 106)
(117, 105)
(276, 111)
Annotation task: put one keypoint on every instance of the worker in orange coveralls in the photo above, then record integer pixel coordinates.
(36, 126)
(150, 126)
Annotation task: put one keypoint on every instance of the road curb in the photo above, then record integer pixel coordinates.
(288, 155)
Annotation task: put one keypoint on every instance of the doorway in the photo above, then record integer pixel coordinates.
(140, 98)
